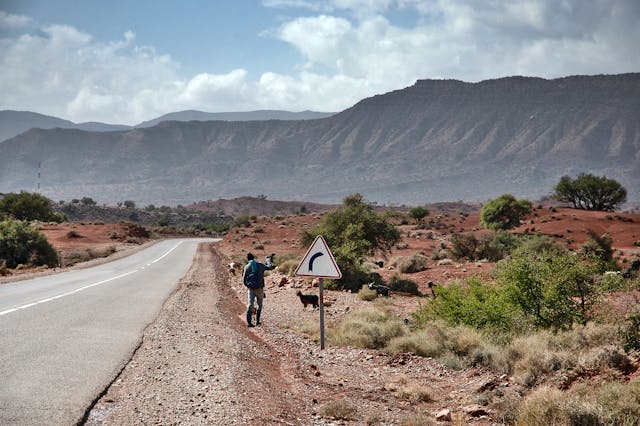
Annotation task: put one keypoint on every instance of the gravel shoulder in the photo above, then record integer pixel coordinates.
(198, 363)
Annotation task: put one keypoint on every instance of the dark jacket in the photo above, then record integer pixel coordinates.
(261, 268)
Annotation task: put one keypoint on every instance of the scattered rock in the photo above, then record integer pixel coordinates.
(444, 415)
(474, 410)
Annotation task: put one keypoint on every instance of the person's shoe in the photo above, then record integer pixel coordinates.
(250, 325)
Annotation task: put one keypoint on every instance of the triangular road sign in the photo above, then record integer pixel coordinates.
(319, 262)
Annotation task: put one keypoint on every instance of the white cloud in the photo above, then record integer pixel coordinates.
(349, 49)
(471, 40)
(10, 21)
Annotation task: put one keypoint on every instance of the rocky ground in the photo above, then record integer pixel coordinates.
(199, 363)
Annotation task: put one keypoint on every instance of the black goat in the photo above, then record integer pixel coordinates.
(379, 288)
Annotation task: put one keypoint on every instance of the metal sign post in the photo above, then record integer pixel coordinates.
(319, 263)
(321, 313)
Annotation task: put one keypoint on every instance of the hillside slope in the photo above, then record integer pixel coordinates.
(436, 140)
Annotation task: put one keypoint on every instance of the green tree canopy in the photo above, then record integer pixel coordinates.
(504, 212)
(352, 232)
(29, 206)
(418, 213)
(589, 192)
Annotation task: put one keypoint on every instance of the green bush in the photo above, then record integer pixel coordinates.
(242, 222)
(497, 246)
(21, 243)
(553, 289)
(463, 246)
(474, 303)
(504, 212)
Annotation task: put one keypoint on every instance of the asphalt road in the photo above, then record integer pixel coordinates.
(65, 337)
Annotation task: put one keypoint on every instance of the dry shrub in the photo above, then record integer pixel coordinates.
(620, 403)
(410, 264)
(310, 329)
(288, 267)
(370, 328)
(367, 294)
(75, 256)
(610, 404)
(417, 419)
(456, 347)
(533, 359)
(339, 410)
(415, 394)
(419, 342)
(543, 407)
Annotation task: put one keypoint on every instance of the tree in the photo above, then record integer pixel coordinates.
(29, 206)
(504, 212)
(130, 204)
(21, 243)
(589, 192)
(354, 231)
(418, 213)
(88, 201)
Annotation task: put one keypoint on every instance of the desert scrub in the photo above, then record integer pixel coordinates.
(367, 294)
(609, 404)
(538, 357)
(288, 267)
(410, 264)
(454, 346)
(339, 410)
(417, 419)
(397, 283)
(370, 328)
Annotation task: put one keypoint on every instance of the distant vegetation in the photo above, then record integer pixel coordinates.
(591, 192)
(29, 206)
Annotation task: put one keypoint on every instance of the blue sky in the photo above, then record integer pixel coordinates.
(127, 61)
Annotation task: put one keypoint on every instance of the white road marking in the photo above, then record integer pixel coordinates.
(77, 290)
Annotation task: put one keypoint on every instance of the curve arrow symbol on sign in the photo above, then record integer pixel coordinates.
(313, 258)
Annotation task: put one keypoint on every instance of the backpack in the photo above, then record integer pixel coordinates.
(251, 279)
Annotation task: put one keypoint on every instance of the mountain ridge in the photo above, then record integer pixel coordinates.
(437, 140)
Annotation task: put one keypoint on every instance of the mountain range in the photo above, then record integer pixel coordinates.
(12, 123)
(438, 140)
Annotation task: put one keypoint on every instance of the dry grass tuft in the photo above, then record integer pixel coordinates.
(339, 410)
(367, 294)
(370, 328)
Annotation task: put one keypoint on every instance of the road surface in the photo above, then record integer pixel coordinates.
(65, 337)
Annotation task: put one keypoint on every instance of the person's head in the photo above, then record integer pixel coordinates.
(250, 256)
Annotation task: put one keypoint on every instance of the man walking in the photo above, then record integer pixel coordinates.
(253, 279)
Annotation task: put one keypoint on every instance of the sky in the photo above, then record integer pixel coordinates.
(126, 61)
